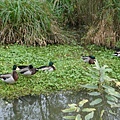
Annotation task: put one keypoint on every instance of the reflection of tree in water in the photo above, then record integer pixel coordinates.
(47, 107)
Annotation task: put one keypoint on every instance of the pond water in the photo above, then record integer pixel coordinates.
(47, 107)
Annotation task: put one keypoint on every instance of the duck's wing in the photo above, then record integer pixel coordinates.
(7, 78)
(85, 58)
(51, 68)
(24, 69)
(22, 66)
(43, 68)
(117, 53)
(5, 75)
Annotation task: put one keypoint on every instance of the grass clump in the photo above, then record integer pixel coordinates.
(70, 71)
(27, 22)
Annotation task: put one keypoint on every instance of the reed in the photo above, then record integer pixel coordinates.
(27, 22)
(42, 22)
(98, 20)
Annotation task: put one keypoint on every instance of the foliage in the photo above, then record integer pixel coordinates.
(99, 19)
(28, 22)
(104, 92)
(70, 68)
(43, 22)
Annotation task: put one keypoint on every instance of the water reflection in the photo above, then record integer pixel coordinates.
(45, 107)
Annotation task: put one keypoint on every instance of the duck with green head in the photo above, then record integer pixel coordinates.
(10, 77)
(27, 70)
(117, 53)
(89, 59)
(50, 67)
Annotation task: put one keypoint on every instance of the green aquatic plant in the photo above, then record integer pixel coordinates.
(70, 73)
(105, 93)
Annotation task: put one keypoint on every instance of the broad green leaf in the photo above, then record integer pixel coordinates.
(94, 93)
(108, 87)
(69, 117)
(102, 112)
(89, 116)
(69, 110)
(114, 93)
(90, 86)
(113, 104)
(72, 105)
(78, 117)
(111, 112)
(111, 98)
(88, 109)
(110, 103)
(81, 103)
(108, 78)
(96, 101)
(108, 70)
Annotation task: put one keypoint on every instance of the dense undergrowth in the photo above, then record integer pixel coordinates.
(40, 22)
(70, 72)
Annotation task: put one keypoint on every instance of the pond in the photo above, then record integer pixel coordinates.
(47, 107)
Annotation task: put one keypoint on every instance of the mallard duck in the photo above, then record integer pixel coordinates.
(117, 53)
(89, 59)
(27, 70)
(50, 67)
(23, 67)
(10, 77)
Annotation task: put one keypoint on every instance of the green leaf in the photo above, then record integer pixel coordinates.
(69, 117)
(112, 92)
(111, 112)
(97, 65)
(81, 103)
(113, 104)
(108, 70)
(111, 98)
(89, 116)
(77, 109)
(116, 94)
(90, 86)
(88, 109)
(69, 110)
(78, 117)
(108, 78)
(94, 93)
(109, 88)
(102, 112)
(96, 101)
(72, 105)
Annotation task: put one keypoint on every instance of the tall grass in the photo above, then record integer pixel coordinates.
(37, 22)
(98, 20)
(26, 21)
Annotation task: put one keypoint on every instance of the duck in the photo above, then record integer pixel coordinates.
(27, 70)
(89, 59)
(10, 77)
(117, 53)
(50, 67)
(21, 68)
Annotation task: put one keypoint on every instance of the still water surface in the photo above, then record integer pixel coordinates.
(47, 107)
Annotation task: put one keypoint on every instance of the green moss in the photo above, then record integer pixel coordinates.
(70, 73)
